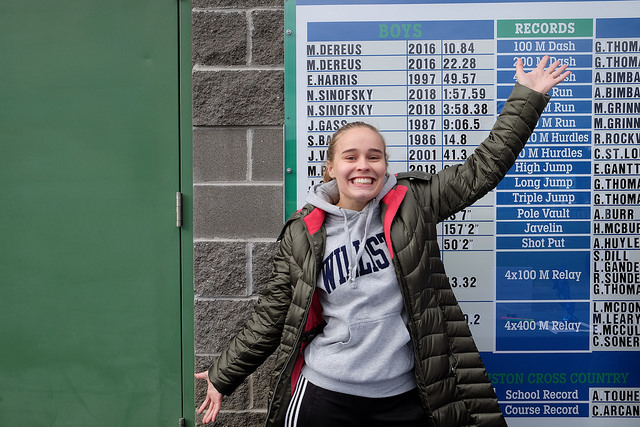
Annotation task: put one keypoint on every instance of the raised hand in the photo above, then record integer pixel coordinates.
(539, 79)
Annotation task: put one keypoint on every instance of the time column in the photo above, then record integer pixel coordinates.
(468, 113)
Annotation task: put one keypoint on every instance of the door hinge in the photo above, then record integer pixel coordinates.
(178, 209)
(181, 422)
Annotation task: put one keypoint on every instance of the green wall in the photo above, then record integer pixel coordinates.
(95, 277)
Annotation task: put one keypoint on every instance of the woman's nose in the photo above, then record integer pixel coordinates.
(363, 164)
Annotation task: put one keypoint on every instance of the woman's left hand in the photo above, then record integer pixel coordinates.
(212, 401)
(539, 79)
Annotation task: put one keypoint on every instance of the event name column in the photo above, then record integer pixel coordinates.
(543, 227)
(543, 204)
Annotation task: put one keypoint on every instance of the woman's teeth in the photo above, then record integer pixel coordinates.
(363, 181)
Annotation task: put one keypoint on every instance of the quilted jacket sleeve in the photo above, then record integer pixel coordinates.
(260, 335)
(460, 186)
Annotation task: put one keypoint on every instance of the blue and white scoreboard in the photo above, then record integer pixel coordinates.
(547, 266)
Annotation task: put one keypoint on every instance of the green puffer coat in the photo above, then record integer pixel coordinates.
(451, 378)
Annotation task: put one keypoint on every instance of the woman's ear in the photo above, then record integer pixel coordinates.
(330, 170)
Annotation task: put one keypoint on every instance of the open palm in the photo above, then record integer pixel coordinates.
(539, 79)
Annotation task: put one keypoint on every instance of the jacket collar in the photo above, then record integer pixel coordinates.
(314, 220)
(392, 200)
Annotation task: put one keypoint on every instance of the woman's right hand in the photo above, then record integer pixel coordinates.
(212, 402)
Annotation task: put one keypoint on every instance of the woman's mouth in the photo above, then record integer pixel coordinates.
(363, 180)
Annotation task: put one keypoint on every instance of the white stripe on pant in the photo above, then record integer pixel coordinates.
(293, 411)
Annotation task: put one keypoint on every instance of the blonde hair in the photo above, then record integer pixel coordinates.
(336, 136)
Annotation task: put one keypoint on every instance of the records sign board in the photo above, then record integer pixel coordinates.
(547, 266)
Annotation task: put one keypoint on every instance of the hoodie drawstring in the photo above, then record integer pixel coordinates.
(354, 260)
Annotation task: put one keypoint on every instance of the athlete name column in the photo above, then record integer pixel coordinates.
(616, 199)
(354, 72)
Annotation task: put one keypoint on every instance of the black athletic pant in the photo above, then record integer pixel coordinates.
(312, 406)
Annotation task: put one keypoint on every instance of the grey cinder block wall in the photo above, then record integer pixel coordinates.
(238, 116)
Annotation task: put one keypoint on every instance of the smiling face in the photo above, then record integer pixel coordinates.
(359, 166)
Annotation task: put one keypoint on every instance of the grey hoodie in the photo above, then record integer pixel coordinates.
(365, 348)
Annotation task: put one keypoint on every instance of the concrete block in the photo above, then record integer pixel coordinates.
(238, 98)
(237, 419)
(219, 154)
(220, 269)
(236, 4)
(262, 264)
(261, 383)
(268, 37)
(238, 212)
(216, 322)
(219, 38)
(267, 154)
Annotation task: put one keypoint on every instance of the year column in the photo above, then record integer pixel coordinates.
(468, 113)
(424, 106)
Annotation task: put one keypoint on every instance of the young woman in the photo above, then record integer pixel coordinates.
(360, 313)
